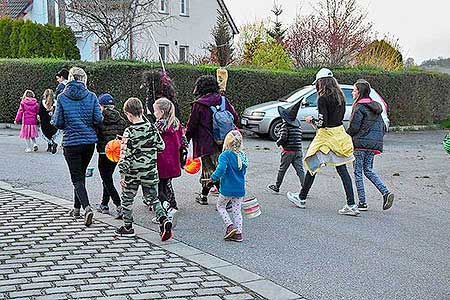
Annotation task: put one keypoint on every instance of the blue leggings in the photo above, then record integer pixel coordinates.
(364, 163)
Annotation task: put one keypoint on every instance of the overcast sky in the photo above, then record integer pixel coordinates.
(422, 27)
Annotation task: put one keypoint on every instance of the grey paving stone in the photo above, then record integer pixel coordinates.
(53, 297)
(237, 274)
(207, 298)
(62, 290)
(7, 288)
(124, 291)
(88, 294)
(210, 291)
(78, 276)
(22, 275)
(235, 289)
(158, 282)
(113, 298)
(271, 290)
(178, 294)
(36, 285)
(239, 297)
(13, 281)
(156, 288)
(25, 293)
(184, 286)
(129, 284)
(146, 296)
(73, 282)
(211, 284)
(110, 274)
(188, 280)
(46, 278)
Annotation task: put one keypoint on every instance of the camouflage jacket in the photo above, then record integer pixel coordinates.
(138, 159)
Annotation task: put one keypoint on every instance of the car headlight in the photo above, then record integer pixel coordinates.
(259, 114)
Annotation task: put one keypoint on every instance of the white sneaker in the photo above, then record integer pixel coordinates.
(171, 216)
(155, 220)
(28, 150)
(294, 198)
(349, 210)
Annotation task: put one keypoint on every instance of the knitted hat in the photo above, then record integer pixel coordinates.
(290, 114)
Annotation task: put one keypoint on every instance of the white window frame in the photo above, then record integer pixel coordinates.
(186, 53)
(163, 6)
(186, 8)
(164, 57)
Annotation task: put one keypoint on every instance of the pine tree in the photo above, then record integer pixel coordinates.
(223, 39)
(277, 32)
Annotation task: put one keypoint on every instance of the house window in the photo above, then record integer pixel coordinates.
(163, 7)
(184, 7)
(184, 52)
(164, 51)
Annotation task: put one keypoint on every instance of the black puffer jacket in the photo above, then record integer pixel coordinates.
(290, 137)
(366, 126)
(113, 125)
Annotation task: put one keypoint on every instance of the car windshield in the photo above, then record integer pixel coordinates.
(295, 95)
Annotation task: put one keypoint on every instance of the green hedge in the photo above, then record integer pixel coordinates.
(19, 38)
(414, 97)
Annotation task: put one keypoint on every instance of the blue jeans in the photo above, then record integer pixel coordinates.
(364, 162)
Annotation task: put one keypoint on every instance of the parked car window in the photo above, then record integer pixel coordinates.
(312, 100)
(348, 96)
(295, 95)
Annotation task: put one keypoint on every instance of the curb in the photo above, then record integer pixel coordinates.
(414, 128)
(9, 126)
(250, 280)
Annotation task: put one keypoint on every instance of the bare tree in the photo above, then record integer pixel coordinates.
(113, 21)
(333, 36)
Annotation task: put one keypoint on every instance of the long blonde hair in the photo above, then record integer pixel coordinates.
(168, 109)
(233, 142)
(28, 94)
(49, 99)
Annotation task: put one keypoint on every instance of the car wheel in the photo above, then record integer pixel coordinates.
(274, 129)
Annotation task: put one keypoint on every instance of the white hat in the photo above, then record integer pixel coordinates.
(323, 73)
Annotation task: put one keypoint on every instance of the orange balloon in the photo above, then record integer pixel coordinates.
(112, 150)
(193, 165)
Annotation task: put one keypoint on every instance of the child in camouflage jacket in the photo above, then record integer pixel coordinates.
(138, 167)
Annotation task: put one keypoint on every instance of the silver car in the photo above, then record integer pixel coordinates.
(264, 120)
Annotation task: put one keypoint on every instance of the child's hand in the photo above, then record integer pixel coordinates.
(308, 119)
(15, 122)
(123, 183)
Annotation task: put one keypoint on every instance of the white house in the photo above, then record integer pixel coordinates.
(183, 37)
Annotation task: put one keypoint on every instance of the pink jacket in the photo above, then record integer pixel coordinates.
(28, 111)
(169, 159)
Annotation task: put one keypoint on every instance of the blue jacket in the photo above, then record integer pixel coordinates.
(77, 113)
(366, 125)
(232, 180)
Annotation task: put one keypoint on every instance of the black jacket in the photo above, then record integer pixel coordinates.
(290, 137)
(366, 126)
(113, 125)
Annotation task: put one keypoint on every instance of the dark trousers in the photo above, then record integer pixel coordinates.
(345, 178)
(166, 192)
(78, 158)
(106, 169)
(291, 158)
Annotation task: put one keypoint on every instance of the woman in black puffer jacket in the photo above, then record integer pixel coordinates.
(367, 131)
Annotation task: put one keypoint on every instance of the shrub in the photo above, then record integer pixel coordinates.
(414, 97)
(19, 38)
(272, 56)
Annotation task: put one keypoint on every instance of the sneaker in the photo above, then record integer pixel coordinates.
(349, 210)
(28, 150)
(231, 231)
(54, 148)
(155, 220)
(388, 200)
(166, 230)
(104, 209)
(171, 216)
(214, 191)
(89, 214)
(35, 148)
(362, 206)
(119, 213)
(237, 237)
(294, 198)
(273, 188)
(49, 147)
(203, 200)
(75, 213)
(124, 231)
(148, 204)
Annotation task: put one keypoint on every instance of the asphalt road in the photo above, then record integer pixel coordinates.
(402, 253)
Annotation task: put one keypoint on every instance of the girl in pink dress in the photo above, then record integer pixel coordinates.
(27, 114)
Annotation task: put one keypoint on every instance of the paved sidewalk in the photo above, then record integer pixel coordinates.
(48, 255)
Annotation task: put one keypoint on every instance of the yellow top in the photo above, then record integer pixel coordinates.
(333, 139)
